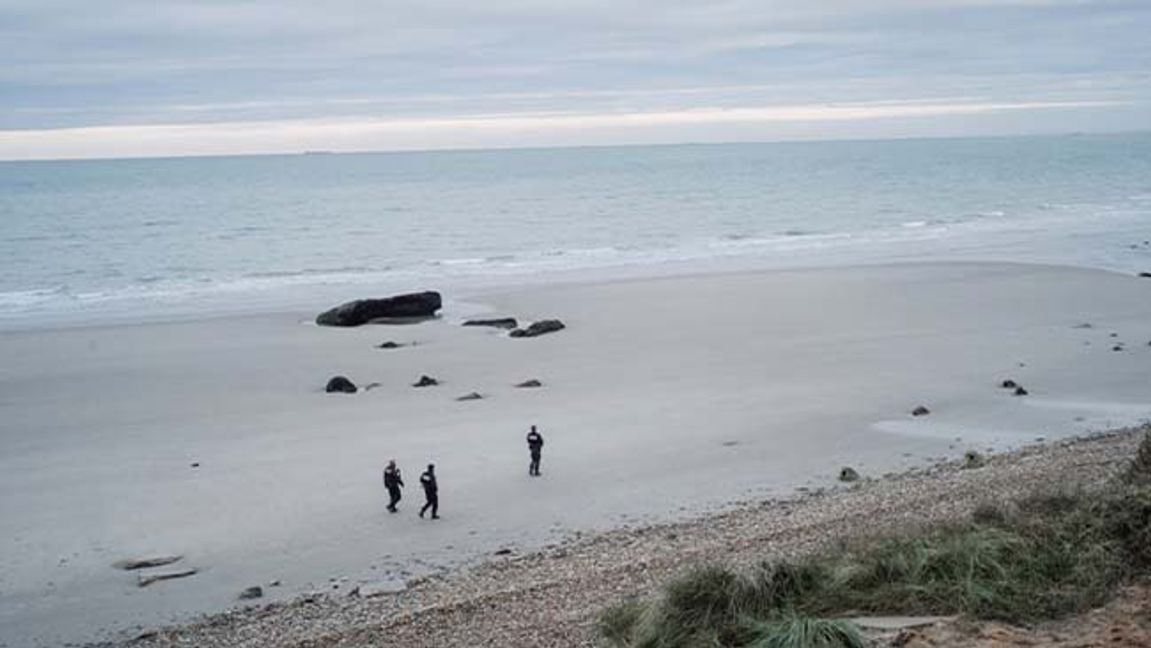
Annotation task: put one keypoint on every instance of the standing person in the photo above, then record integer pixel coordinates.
(393, 482)
(535, 448)
(431, 492)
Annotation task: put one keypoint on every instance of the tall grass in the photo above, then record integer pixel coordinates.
(1037, 558)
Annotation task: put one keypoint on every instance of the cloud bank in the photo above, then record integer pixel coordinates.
(140, 77)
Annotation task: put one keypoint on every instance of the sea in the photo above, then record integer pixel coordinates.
(132, 239)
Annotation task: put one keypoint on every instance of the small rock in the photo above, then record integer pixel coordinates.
(1009, 384)
(502, 322)
(1020, 391)
(1114, 335)
(535, 383)
(146, 563)
(1084, 325)
(275, 583)
(972, 459)
(425, 381)
(848, 474)
(1117, 347)
(538, 328)
(470, 397)
(340, 384)
(920, 411)
(144, 581)
(503, 552)
(253, 592)
(389, 345)
(1145, 275)
(371, 386)
(195, 464)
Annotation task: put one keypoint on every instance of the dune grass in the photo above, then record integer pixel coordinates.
(1041, 557)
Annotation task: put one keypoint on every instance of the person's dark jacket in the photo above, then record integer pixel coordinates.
(392, 479)
(535, 442)
(428, 481)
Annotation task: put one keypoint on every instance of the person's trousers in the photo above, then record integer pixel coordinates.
(432, 503)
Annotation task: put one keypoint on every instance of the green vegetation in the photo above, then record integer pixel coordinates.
(1042, 557)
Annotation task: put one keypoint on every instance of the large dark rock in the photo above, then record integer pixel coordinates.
(502, 322)
(538, 328)
(340, 385)
(355, 313)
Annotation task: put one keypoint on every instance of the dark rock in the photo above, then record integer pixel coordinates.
(253, 592)
(502, 322)
(195, 464)
(503, 552)
(1084, 325)
(1145, 275)
(425, 381)
(371, 386)
(1009, 384)
(1117, 347)
(340, 384)
(972, 459)
(355, 313)
(848, 474)
(144, 581)
(920, 411)
(1114, 335)
(389, 345)
(527, 384)
(146, 563)
(1020, 391)
(470, 397)
(538, 328)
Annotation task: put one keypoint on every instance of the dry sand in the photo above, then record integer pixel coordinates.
(664, 399)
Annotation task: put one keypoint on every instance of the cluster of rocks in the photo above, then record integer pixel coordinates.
(146, 577)
(1016, 388)
(414, 306)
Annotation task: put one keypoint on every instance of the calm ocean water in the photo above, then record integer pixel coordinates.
(89, 239)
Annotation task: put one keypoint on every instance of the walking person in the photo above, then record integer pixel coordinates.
(535, 448)
(431, 492)
(393, 482)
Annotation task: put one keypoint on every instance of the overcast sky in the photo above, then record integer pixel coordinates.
(178, 77)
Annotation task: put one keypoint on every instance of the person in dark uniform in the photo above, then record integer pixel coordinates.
(431, 492)
(393, 482)
(535, 448)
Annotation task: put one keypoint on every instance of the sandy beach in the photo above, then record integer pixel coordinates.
(663, 400)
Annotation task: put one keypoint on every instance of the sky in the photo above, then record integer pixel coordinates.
(127, 78)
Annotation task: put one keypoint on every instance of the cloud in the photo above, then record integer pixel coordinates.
(134, 63)
(495, 130)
